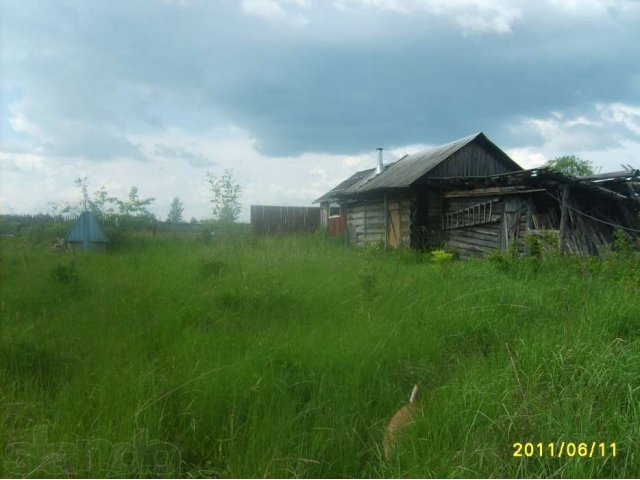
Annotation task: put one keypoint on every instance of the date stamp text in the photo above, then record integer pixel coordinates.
(564, 449)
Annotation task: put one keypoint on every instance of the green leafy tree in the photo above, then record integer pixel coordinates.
(101, 202)
(225, 192)
(571, 165)
(135, 206)
(175, 212)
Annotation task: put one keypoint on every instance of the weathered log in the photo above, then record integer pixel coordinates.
(564, 219)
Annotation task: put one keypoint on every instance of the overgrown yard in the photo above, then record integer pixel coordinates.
(286, 357)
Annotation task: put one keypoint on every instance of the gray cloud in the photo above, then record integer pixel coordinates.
(91, 74)
(192, 158)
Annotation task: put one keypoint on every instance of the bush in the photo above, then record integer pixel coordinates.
(542, 243)
(441, 256)
(65, 274)
(212, 267)
(502, 260)
(622, 244)
(45, 232)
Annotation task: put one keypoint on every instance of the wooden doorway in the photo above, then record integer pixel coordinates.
(510, 221)
(394, 239)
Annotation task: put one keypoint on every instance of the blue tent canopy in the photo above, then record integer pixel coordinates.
(86, 230)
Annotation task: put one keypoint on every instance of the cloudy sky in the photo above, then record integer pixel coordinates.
(295, 95)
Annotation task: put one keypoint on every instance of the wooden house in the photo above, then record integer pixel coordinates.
(470, 197)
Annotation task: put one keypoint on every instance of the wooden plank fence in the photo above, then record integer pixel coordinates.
(29, 219)
(269, 219)
(14, 223)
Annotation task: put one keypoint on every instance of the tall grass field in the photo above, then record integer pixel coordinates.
(287, 356)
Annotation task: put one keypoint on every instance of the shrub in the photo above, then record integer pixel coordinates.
(441, 256)
(212, 267)
(542, 243)
(622, 244)
(501, 260)
(65, 274)
(374, 247)
(45, 232)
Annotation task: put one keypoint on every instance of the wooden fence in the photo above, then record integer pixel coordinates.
(15, 223)
(268, 219)
(28, 219)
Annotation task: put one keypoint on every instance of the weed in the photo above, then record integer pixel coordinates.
(542, 243)
(441, 256)
(65, 274)
(501, 260)
(26, 363)
(622, 243)
(292, 355)
(211, 267)
(368, 284)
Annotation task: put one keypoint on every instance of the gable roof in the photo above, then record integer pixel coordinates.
(332, 194)
(415, 166)
(411, 168)
(86, 228)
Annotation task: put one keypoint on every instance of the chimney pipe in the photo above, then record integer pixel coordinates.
(380, 167)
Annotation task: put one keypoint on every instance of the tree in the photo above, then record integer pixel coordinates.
(571, 165)
(225, 192)
(135, 206)
(175, 212)
(97, 205)
(100, 200)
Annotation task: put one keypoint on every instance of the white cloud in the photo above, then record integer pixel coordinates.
(607, 134)
(621, 114)
(276, 10)
(593, 8)
(476, 16)
(289, 180)
(19, 123)
(527, 157)
(472, 16)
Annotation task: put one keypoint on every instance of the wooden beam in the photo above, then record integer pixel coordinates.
(365, 218)
(564, 219)
(489, 192)
(386, 221)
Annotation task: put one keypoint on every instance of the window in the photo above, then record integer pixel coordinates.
(334, 210)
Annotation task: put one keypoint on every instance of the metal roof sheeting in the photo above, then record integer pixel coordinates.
(544, 177)
(331, 194)
(86, 229)
(404, 172)
(410, 168)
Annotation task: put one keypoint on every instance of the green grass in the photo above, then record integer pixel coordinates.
(285, 357)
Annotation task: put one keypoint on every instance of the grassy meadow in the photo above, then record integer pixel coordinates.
(286, 357)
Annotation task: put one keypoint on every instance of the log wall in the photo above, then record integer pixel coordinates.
(476, 240)
(366, 222)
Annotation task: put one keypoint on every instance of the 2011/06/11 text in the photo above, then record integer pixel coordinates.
(564, 449)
